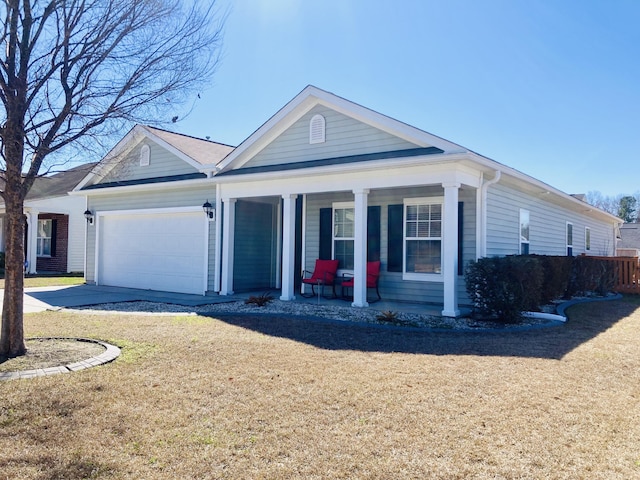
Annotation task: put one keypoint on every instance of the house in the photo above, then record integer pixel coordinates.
(629, 242)
(323, 178)
(55, 223)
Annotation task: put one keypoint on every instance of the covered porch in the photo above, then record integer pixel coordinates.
(423, 223)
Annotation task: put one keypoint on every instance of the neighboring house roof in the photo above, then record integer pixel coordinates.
(629, 236)
(59, 184)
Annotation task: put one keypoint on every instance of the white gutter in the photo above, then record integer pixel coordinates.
(481, 231)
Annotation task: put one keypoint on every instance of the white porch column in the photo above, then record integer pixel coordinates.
(217, 263)
(288, 246)
(228, 234)
(450, 250)
(32, 240)
(360, 250)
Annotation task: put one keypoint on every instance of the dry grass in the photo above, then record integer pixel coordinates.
(195, 397)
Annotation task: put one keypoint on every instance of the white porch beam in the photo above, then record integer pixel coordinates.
(450, 250)
(228, 228)
(288, 246)
(360, 249)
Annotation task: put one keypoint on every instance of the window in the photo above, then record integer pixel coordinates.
(587, 238)
(145, 155)
(422, 237)
(343, 234)
(45, 229)
(524, 231)
(317, 129)
(569, 239)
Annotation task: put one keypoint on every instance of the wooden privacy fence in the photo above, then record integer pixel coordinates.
(626, 273)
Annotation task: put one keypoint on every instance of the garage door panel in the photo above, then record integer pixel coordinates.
(157, 251)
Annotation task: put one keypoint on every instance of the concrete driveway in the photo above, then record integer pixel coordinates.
(53, 298)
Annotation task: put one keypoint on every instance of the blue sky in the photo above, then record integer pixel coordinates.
(551, 88)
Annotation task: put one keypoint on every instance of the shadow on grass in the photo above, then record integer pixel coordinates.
(586, 321)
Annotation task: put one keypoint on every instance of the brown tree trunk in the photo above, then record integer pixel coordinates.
(12, 337)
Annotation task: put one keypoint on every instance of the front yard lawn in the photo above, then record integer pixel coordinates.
(276, 397)
(49, 280)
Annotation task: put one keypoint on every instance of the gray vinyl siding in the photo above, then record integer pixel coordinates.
(344, 136)
(548, 223)
(134, 201)
(392, 286)
(162, 163)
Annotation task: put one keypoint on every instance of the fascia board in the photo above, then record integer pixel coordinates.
(162, 186)
(544, 188)
(349, 168)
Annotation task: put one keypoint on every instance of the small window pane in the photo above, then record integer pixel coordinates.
(424, 256)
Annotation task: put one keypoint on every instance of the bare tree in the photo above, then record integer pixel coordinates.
(76, 69)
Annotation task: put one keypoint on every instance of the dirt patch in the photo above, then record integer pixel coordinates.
(51, 352)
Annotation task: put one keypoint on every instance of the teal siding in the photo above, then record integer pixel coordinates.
(344, 136)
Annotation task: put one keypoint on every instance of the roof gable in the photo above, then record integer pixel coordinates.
(170, 155)
(295, 116)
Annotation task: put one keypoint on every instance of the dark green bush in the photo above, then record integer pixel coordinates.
(504, 287)
(591, 275)
(556, 276)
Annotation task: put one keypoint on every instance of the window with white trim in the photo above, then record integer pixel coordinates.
(587, 238)
(45, 229)
(422, 237)
(569, 239)
(344, 234)
(524, 231)
(145, 155)
(317, 129)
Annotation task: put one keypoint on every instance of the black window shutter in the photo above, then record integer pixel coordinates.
(394, 237)
(326, 233)
(460, 236)
(373, 233)
(54, 235)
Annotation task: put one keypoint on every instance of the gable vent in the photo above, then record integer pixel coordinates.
(145, 154)
(317, 129)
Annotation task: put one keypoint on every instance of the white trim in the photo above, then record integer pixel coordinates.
(566, 239)
(151, 211)
(587, 239)
(164, 186)
(416, 276)
(342, 206)
(520, 237)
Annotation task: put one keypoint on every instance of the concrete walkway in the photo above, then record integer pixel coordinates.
(52, 298)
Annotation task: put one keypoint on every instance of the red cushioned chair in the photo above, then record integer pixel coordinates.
(373, 274)
(324, 274)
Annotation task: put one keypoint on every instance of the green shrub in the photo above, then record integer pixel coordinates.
(504, 287)
(590, 274)
(556, 276)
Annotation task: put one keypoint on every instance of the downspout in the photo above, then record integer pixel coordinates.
(482, 251)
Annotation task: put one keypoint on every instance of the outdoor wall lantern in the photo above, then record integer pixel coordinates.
(89, 216)
(209, 210)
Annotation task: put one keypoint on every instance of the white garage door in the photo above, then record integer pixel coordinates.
(159, 251)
